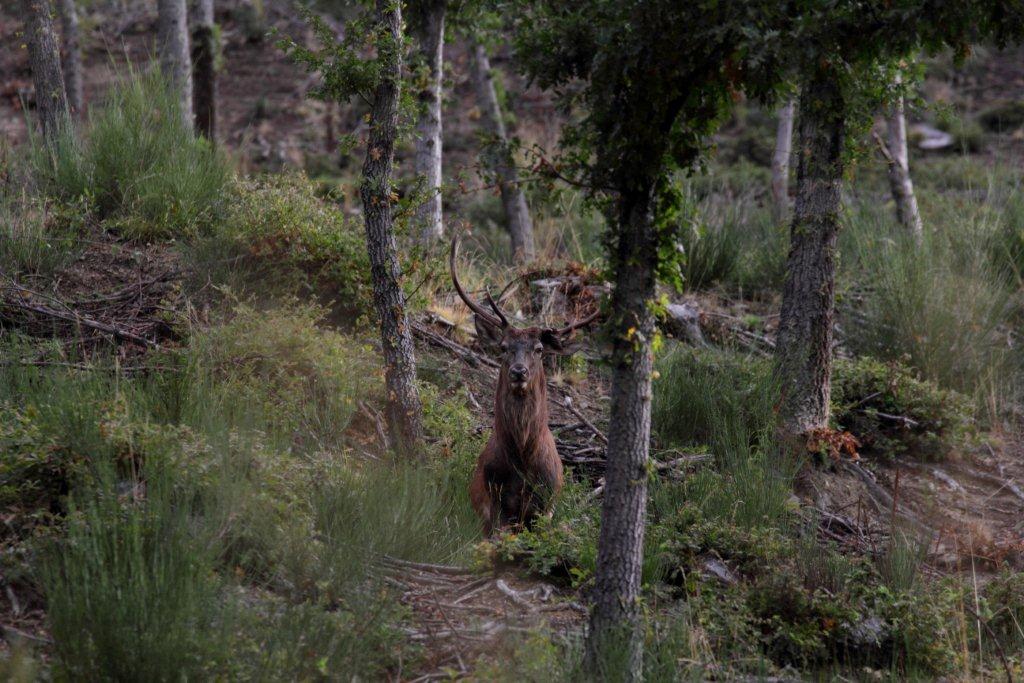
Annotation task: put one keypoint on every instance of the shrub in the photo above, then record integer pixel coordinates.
(36, 238)
(278, 231)
(139, 164)
(1003, 117)
(892, 412)
(298, 381)
(712, 254)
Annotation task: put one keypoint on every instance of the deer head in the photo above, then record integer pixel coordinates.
(521, 349)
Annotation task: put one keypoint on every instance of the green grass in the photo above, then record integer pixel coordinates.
(138, 164)
(36, 238)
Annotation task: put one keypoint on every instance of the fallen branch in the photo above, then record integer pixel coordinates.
(426, 567)
(78, 319)
(568, 404)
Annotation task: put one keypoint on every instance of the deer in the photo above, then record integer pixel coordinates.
(519, 471)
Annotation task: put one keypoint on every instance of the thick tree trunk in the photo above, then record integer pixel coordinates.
(204, 69)
(404, 412)
(72, 64)
(804, 347)
(614, 648)
(44, 60)
(499, 158)
(172, 46)
(780, 161)
(899, 172)
(430, 32)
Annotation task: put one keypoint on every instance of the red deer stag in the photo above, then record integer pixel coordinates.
(519, 471)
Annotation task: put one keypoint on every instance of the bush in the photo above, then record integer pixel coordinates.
(278, 231)
(892, 412)
(36, 238)
(139, 164)
(297, 381)
(1004, 117)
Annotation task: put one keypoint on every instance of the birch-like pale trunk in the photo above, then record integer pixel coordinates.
(499, 158)
(902, 186)
(172, 47)
(780, 161)
(430, 31)
(72, 63)
(44, 61)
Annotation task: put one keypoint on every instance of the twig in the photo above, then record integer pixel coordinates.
(514, 595)
(82, 320)
(995, 640)
(567, 402)
(426, 567)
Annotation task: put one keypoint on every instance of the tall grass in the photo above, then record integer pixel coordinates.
(138, 162)
(33, 240)
(724, 401)
(943, 304)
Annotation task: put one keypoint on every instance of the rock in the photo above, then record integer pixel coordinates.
(930, 137)
(683, 322)
(868, 632)
(717, 569)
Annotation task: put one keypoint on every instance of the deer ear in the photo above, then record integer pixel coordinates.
(488, 335)
(557, 344)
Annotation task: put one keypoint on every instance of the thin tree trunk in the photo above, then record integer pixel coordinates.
(614, 649)
(72, 64)
(204, 69)
(428, 128)
(404, 412)
(780, 161)
(44, 60)
(899, 172)
(804, 347)
(499, 158)
(172, 46)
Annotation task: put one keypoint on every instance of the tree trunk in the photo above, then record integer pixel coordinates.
(172, 46)
(499, 158)
(780, 161)
(899, 172)
(430, 31)
(404, 412)
(804, 347)
(204, 69)
(72, 64)
(44, 60)
(614, 649)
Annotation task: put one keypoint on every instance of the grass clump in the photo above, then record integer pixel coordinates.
(36, 238)
(276, 229)
(300, 383)
(892, 412)
(138, 164)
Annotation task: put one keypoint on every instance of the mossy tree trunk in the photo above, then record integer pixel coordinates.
(404, 411)
(614, 648)
(44, 60)
(804, 348)
(499, 158)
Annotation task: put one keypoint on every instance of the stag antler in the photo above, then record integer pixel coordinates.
(501, 321)
(563, 331)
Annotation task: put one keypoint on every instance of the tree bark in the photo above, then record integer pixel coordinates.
(614, 648)
(44, 60)
(780, 161)
(499, 158)
(172, 46)
(430, 30)
(72, 64)
(404, 412)
(899, 172)
(804, 346)
(204, 70)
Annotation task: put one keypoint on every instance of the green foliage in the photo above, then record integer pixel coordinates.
(304, 382)
(36, 238)
(129, 592)
(1004, 117)
(712, 254)
(892, 412)
(138, 164)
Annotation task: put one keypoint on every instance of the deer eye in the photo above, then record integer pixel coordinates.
(538, 348)
(504, 346)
